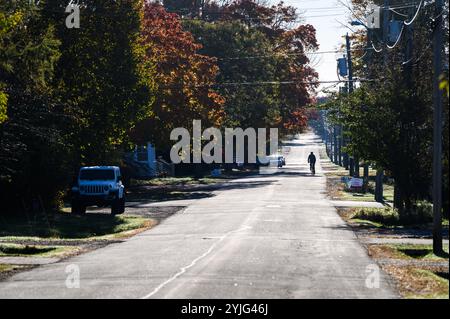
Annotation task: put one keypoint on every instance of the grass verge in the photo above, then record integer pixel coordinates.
(421, 275)
(63, 235)
(337, 191)
(6, 269)
(419, 283)
(17, 250)
(377, 217)
(386, 217)
(69, 226)
(406, 252)
(171, 181)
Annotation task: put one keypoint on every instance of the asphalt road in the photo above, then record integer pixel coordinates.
(271, 236)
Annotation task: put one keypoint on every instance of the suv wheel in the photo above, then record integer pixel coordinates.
(115, 207)
(118, 206)
(122, 205)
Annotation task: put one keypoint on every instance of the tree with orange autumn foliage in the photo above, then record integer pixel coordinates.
(183, 78)
(259, 43)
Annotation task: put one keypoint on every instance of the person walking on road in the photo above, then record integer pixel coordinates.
(312, 162)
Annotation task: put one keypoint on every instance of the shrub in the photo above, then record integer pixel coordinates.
(422, 213)
(386, 216)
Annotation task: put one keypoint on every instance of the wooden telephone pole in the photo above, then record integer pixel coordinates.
(351, 160)
(437, 131)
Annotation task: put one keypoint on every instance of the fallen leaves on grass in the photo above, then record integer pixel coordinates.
(7, 270)
(150, 223)
(418, 283)
(334, 187)
(384, 252)
(346, 213)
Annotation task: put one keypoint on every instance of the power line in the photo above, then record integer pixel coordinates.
(375, 49)
(231, 15)
(415, 16)
(260, 83)
(298, 20)
(404, 24)
(398, 13)
(292, 54)
(398, 39)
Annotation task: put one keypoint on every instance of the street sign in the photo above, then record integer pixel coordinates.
(374, 17)
(342, 66)
(356, 183)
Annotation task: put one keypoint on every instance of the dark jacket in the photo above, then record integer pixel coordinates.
(311, 158)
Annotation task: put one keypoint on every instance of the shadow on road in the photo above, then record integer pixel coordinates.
(293, 174)
(187, 192)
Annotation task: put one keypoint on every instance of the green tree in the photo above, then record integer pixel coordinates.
(246, 105)
(102, 77)
(389, 120)
(32, 153)
(184, 7)
(267, 76)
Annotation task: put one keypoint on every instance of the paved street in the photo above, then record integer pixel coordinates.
(272, 236)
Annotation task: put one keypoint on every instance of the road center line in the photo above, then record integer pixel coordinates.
(184, 269)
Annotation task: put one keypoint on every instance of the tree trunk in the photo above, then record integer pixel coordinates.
(398, 200)
(379, 186)
(357, 167)
(351, 166)
(366, 171)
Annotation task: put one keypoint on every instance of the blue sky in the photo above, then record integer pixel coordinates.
(322, 14)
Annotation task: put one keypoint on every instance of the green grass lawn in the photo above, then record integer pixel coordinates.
(369, 196)
(367, 223)
(15, 250)
(335, 172)
(376, 217)
(171, 181)
(387, 217)
(7, 268)
(439, 285)
(62, 234)
(422, 252)
(69, 226)
(191, 180)
(358, 197)
(4, 268)
(415, 280)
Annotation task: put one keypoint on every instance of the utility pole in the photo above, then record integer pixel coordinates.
(437, 131)
(336, 146)
(385, 28)
(340, 145)
(331, 143)
(327, 135)
(345, 160)
(380, 172)
(350, 89)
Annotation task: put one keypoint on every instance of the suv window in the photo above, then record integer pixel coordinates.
(97, 174)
